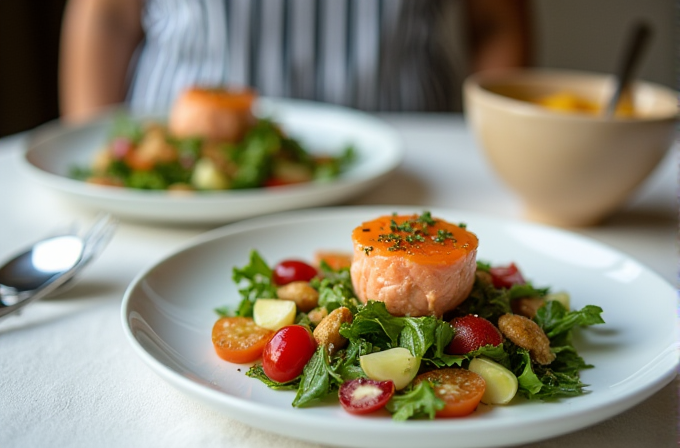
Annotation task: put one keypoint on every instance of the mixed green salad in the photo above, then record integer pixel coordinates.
(325, 371)
(144, 155)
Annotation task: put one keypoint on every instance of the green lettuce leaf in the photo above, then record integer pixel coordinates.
(256, 278)
(555, 320)
(420, 402)
(256, 371)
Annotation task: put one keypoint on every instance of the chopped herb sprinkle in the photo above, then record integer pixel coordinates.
(416, 231)
(443, 235)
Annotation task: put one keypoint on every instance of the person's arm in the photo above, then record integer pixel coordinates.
(98, 41)
(499, 34)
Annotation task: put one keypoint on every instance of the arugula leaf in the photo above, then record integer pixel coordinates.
(419, 402)
(254, 157)
(443, 335)
(568, 360)
(257, 276)
(526, 290)
(418, 334)
(346, 362)
(373, 322)
(331, 168)
(557, 380)
(485, 301)
(496, 353)
(292, 149)
(317, 380)
(483, 266)
(335, 288)
(256, 371)
(146, 180)
(256, 267)
(554, 319)
(124, 126)
(520, 364)
(303, 319)
(332, 296)
(425, 337)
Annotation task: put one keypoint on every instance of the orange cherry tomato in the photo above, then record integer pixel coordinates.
(239, 339)
(336, 260)
(460, 389)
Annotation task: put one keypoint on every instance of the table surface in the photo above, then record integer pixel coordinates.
(68, 377)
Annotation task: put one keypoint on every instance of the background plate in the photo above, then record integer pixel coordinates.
(326, 129)
(168, 315)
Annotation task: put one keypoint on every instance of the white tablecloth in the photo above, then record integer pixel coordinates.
(68, 377)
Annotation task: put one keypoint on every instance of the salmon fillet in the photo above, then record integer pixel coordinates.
(417, 265)
(215, 114)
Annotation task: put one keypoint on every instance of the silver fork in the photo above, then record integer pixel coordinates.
(15, 275)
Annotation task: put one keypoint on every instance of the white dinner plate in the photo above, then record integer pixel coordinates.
(168, 316)
(323, 129)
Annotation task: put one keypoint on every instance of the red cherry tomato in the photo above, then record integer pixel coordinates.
(506, 276)
(293, 271)
(285, 355)
(361, 395)
(461, 390)
(471, 333)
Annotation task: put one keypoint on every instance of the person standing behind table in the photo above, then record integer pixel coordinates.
(375, 55)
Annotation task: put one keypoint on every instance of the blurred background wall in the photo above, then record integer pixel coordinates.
(29, 42)
(576, 34)
(590, 35)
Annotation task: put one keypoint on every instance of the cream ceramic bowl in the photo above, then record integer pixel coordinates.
(570, 169)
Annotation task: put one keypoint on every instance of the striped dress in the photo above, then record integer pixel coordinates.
(375, 55)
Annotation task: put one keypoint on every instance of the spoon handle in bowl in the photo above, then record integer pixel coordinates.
(638, 40)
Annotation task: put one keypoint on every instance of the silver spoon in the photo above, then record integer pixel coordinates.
(634, 50)
(48, 266)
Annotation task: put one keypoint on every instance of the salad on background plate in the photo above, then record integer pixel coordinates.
(212, 141)
(296, 154)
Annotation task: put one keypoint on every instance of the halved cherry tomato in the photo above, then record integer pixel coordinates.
(293, 271)
(287, 352)
(471, 333)
(362, 395)
(461, 390)
(238, 339)
(506, 276)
